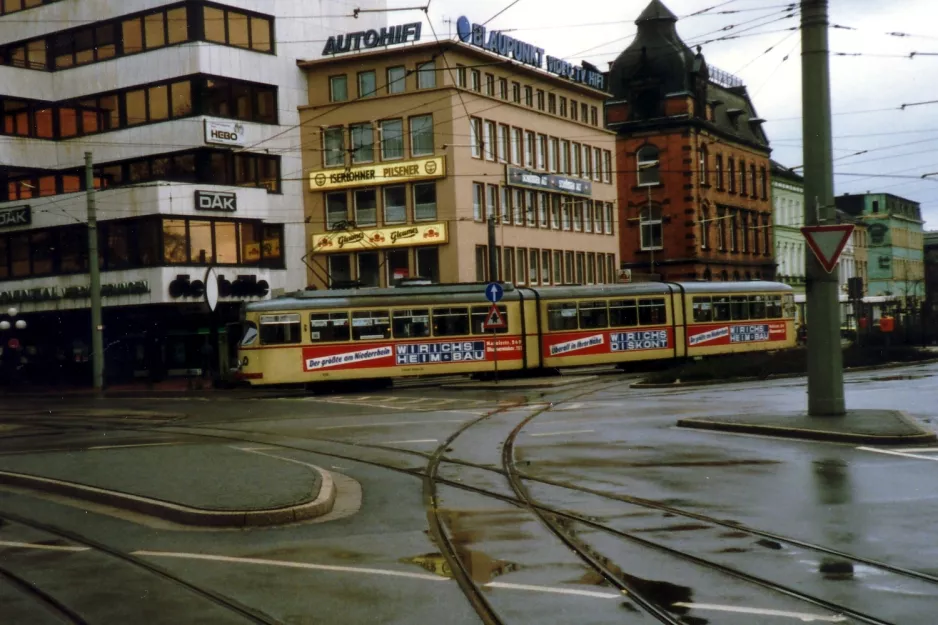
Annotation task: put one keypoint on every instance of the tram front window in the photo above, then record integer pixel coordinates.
(250, 333)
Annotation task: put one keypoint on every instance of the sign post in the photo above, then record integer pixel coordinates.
(494, 321)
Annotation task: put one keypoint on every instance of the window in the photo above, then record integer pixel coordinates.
(757, 307)
(397, 263)
(650, 223)
(555, 211)
(503, 88)
(482, 273)
(574, 111)
(280, 329)
(336, 209)
(329, 327)
(397, 79)
(703, 310)
(367, 84)
(338, 88)
(516, 92)
(597, 164)
(739, 307)
(568, 267)
(719, 171)
(563, 106)
(371, 325)
(564, 156)
(392, 139)
(411, 324)
(530, 209)
(567, 212)
(580, 274)
(610, 218)
(744, 226)
(421, 135)
(598, 216)
(451, 322)
(503, 143)
(552, 148)
(522, 266)
(516, 146)
(491, 145)
(752, 180)
(763, 182)
(508, 273)
(623, 313)
(734, 235)
(478, 201)
(773, 307)
(652, 312)
(461, 76)
(475, 136)
(594, 116)
(648, 173)
(506, 205)
(534, 258)
(542, 209)
(489, 85)
(541, 152)
(587, 216)
(551, 103)
(362, 143)
(586, 163)
(576, 166)
(426, 75)
(517, 203)
(339, 267)
(366, 207)
(704, 228)
(395, 204)
(476, 83)
(425, 201)
(529, 148)
(607, 170)
(732, 174)
(721, 229)
(594, 315)
(558, 267)
(584, 112)
(742, 177)
(755, 234)
(545, 267)
(540, 99)
(561, 317)
(765, 235)
(702, 166)
(492, 201)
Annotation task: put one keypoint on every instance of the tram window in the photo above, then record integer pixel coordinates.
(250, 333)
(411, 324)
(481, 313)
(329, 327)
(739, 307)
(280, 329)
(561, 317)
(450, 321)
(623, 313)
(773, 309)
(593, 315)
(371, 324)
(703, 309)
(721, 308)
(757, 306)
(651, 312)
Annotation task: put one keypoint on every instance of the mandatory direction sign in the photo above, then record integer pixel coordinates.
(494, 292)
(494, 319)
(827, 242)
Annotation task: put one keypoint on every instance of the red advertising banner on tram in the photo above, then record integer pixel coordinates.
(731, 334)
(586, 343)
(391, 354)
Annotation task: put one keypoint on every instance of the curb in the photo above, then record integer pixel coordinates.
(782, 376)
(177, 513)
(557, 382)
(816, 435)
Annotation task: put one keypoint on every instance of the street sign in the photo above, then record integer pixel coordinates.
(827, 242)
(494, 320)
(494, 292)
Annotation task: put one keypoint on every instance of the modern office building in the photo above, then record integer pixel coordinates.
(190, 111)
(409, 151)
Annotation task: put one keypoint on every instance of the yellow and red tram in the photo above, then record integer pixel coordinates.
(321, 336)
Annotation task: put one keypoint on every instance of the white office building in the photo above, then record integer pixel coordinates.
(189, 108)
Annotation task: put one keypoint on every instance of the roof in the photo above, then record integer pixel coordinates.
(780, 171)
(435, 48)
(656, 11)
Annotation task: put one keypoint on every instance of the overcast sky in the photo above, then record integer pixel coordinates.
(900, 142)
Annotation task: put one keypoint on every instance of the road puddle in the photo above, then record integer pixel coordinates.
(479, 566)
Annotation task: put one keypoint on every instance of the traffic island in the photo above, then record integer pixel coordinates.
(866, 427)
(198, 485)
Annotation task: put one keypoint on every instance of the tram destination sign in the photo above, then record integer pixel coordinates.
(373, 38)
(520, 177)
(16, 216)
(502, 44)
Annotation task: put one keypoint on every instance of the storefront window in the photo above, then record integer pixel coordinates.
(226, 243)
(4, 266)
(340, 270)
(428, 263)
(19, 255)
(42, 247)
(425, 201)
(368, 269)
(398, 265)
(200, 242)
(174, 241)
(118, 246)
(250, 243)
(147, 236)
(273, 246)
(73, 250)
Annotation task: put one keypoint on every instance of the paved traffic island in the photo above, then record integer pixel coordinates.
(867, 427)
(201, 485)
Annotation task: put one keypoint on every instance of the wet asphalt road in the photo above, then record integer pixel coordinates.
(712, 528)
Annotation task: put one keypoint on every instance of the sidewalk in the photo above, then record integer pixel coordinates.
(191, 484)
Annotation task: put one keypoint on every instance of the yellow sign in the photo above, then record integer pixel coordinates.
(252, 251)
(378, 238)
(385, 173)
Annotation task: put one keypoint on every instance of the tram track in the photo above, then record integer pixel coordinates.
(46, 600)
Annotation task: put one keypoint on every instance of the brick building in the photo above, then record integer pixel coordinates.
(693, 174)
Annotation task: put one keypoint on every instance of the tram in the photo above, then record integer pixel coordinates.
(440, 329)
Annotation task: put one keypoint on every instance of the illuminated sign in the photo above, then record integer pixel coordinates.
(503, 45)
(370, 39)
(518, 177)
(370, 175)
(401, 236)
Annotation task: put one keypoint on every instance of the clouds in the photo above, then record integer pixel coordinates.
(897, 142)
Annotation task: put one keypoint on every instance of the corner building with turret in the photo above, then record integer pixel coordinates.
(693, 176)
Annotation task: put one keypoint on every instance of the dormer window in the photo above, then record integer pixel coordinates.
(648, 166)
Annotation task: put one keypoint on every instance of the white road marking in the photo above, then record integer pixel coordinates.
(898, 453)
(563, 433)
(289, 565)
(802, 616)
(421, 440)
(255, 448)
(379, 425)
(10, 543)
(558, 591)
(919, 449)
(130, 446)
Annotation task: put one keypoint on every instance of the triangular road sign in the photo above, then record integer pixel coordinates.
(827, 242)
(494, 320)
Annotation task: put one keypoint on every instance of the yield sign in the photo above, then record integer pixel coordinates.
(827, 242)
(494, 320)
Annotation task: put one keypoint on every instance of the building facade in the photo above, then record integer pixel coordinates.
(931, 280)
(189, 109)
(895, 236)
(411, 150)
(693, 176)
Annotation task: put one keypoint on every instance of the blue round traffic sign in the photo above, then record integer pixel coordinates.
(494, 292)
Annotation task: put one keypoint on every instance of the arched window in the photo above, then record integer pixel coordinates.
(708, 275)
(648, 166)
(704, 165)
(736, 275)
(725, 276)
(650, 223)
(742, 177)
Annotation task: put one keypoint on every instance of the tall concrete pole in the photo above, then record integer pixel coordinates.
(94, 273)
(493, 251)
(825, 359)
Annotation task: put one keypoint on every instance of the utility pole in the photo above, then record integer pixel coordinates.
(94, 272)
(493, 252)
(825, 359)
